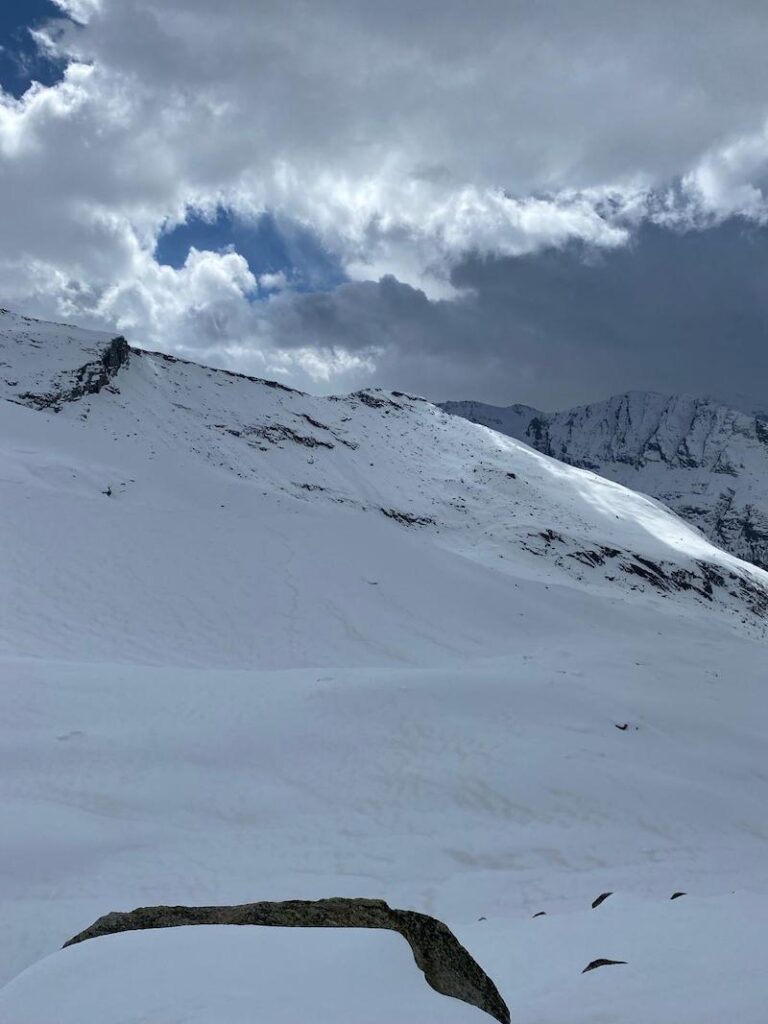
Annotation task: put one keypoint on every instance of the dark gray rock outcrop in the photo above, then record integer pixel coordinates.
(446, 964)
(89, 379)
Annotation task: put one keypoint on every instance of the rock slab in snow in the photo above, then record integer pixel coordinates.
(446, 964)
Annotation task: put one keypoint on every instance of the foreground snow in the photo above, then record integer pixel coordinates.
(221, 684)
(495, 789)
(220, 975)
(227, 975)
(690, 960)
(230, 975)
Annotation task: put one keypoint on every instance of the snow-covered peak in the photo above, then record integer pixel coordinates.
(708, 461)
(511, 419)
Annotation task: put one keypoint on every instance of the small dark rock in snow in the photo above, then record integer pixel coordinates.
(601, 899)
(408, 518)
(602, 962)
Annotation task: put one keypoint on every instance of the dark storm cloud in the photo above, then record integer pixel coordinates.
(672, 311)
(484, 176)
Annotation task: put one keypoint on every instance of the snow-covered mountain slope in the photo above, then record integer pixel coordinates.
(260, 645)
(706, 460)
(124, 443)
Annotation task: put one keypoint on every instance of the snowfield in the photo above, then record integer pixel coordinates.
(260, 645)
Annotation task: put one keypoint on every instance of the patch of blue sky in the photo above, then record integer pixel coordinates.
(271, 246)
(21, 61)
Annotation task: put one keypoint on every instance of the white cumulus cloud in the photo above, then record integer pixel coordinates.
(402, 140)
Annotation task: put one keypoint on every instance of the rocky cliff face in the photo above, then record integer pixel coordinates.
(45, 366)
(704, 459)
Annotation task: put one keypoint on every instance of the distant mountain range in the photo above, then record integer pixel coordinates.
(707, 459)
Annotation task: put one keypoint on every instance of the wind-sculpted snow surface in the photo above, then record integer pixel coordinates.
(706, 460)
(256, 641)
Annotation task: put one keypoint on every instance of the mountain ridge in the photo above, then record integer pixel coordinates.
(707, 461)
(396, 457)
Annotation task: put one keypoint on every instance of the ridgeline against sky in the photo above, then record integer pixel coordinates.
(541, 203)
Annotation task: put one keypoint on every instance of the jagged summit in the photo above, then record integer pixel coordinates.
(706, 460)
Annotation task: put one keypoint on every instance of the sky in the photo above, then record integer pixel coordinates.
(501, 200)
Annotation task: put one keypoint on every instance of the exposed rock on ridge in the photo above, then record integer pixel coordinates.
(86, 380)
(446, 964)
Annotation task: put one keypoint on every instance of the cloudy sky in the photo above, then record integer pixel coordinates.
(505, 200)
